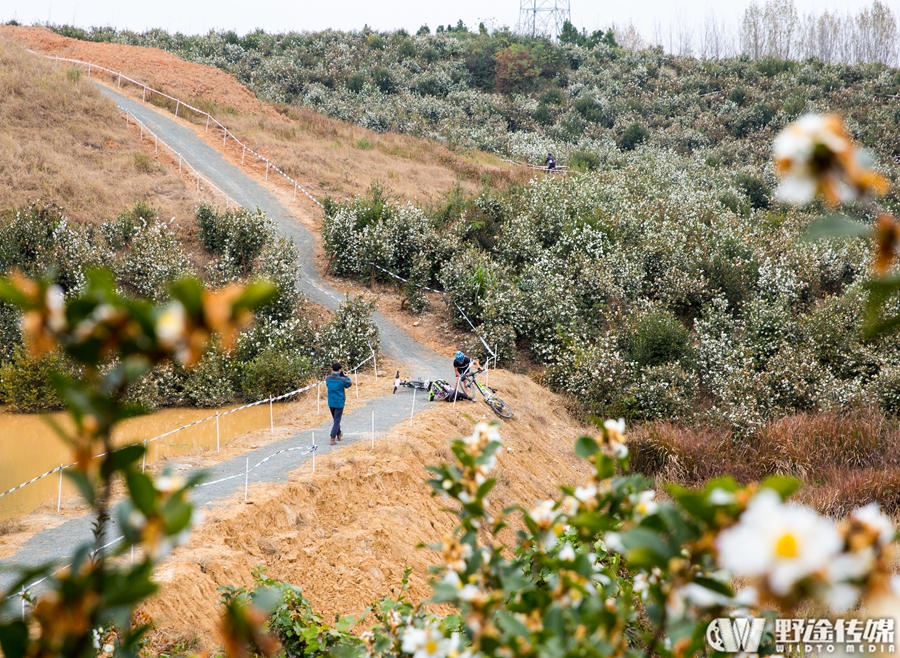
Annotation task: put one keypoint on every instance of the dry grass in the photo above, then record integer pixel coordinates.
(10, 526)
(844, 459)
(63, 142)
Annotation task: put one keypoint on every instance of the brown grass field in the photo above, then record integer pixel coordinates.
(62, 142)
(844, 459)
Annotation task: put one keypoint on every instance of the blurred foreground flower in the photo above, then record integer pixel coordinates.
(816, 155)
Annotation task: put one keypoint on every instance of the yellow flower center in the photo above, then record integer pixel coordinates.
(431, 647)
(787, 547)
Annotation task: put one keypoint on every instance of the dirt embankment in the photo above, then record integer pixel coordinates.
(345, 533)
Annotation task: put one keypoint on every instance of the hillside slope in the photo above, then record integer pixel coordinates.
(327, 155)
(346, 533)
(63, 143)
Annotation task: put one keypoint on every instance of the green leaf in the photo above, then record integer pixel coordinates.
(120, 459)
(486, 486)
(143, 493)
(837, 226)
(9, 293)
(177, 516)
(14, 639)
(785, 486)
(83, 483)
(716, 586)
(642, 539)
(256, 294)
(585, 446)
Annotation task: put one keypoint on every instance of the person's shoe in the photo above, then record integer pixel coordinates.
(333, 441)
(340, 434)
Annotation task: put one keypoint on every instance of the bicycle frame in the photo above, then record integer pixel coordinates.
(470, 376)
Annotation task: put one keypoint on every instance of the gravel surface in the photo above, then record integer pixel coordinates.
(419, 362)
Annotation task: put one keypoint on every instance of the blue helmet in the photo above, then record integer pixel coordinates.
(459, 356)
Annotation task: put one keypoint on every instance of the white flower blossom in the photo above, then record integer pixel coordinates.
(783, 543)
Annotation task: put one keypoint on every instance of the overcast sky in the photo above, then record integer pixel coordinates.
(199, 16)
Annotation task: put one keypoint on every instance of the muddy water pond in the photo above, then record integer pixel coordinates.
(30, 447)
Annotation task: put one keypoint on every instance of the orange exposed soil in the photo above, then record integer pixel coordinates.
(346, 533)
(151, 66)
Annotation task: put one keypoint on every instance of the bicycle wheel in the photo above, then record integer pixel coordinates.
(500, 407)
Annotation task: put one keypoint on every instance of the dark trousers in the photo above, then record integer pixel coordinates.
(336, 413)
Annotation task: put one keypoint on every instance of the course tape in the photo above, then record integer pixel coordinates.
(179, 102)
(184, 427)
(306, 449)
(440, 292)
(181, 158)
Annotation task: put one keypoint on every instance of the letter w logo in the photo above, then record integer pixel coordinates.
(733, 635)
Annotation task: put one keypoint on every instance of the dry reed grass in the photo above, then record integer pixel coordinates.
(844, 459)
(63, 142)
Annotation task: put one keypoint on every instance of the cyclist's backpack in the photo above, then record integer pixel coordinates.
(440, 389)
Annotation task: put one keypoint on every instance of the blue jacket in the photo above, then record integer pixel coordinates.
(336, 384)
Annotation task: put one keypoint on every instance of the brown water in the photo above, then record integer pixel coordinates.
(29, 446)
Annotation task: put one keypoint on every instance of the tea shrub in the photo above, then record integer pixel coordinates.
(273, 372)
(25, 381)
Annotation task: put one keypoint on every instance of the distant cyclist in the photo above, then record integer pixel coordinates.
(462, 365)
(551, 162)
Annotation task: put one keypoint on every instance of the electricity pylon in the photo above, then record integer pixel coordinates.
(543, 18)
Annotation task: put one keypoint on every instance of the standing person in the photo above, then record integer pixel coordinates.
(550, 162)
(336, 383)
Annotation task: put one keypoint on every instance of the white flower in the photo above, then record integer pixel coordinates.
(644, 505)
(749, 596)
(851, 566)
(569, 506)
(56, 308)
(613, 542)
(425, 643)
(470, 593)
(615, 428)
(543, 514)
(168, 483)
(586, 494)
(171, 325)
(108, 648)
(567, 553)
(719, 496)
(842, 597)
(872, 517)
(783, 543)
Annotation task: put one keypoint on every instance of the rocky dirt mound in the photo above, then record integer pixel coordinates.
(346, 533)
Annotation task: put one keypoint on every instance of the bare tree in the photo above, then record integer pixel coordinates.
(876, 34)
(628, 36)
(714, 38)
(780, 21)
(684, 34)
(752, 35)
